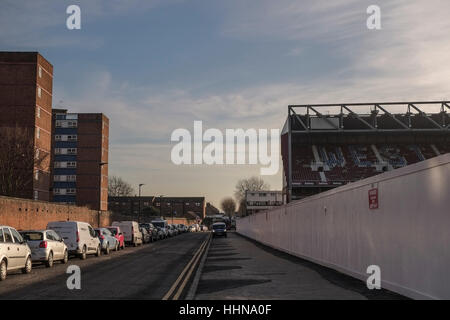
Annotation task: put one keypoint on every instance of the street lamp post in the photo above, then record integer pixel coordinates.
(160, 205)
(139, 212)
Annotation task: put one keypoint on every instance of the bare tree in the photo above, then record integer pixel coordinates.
(117, 187)
(228, 205)
(249, 184)
(18, 161)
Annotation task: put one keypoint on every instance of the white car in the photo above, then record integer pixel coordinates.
(130, 230)
(79, 237)
(46, 246)
(14, 252)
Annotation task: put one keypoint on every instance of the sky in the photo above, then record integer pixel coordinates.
(153, 66)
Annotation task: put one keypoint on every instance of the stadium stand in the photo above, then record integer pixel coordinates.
(321, 152)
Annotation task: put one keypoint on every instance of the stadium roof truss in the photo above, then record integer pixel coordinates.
(380, 118)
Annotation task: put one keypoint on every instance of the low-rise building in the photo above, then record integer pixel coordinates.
(257, 201)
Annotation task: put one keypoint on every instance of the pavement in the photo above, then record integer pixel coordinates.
(240, 268)
(146, 272)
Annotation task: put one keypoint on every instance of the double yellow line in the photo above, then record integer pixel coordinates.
(188, 269)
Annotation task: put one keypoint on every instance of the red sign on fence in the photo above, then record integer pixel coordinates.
(373, 198)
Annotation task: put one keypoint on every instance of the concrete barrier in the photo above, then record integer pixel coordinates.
(407, 236)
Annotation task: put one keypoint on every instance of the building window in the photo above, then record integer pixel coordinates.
(36, 195)
(37, 154)
(39, 92)
(40, 72)
(72, 151)
(71, 191)
(36, 175)
(71, 164)
(57, 138)
(57, 191)
(38, 112)
(38, 133)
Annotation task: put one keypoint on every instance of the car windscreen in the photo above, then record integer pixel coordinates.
(113, 231)
(33, 236)
(158, 224)
(218, 226)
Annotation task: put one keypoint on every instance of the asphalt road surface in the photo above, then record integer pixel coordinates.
(146, 272)
(239, 268)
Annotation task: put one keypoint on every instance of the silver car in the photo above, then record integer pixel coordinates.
(14, 252)
(107, 240)
(46, 246)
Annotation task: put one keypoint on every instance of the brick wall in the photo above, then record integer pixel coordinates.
(24, 214)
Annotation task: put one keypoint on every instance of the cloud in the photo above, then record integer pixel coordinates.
(42, 23)
(406, 60)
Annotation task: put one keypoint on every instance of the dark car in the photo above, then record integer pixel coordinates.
(146, 237)
(219, 229)
(152, 230)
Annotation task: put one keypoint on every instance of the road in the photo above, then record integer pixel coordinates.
(239, 268)
(146, 272)
(234, 268)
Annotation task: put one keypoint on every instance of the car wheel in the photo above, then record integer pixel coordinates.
(83, 254)
(3, 270)
(49, 262)
(66, 257)
(28, 266)
(99, 251)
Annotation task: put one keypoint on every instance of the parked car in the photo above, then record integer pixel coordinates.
(203, 228)
(170, 232)
(15, 253)
(117, 233)
(162, 233)
(79, 237)
(192, 228)
(174, 229)
(130, 230)
(182, 228)
(107, 240)
(219, 229)
(151, 230)
(146, 236)
(46, 246)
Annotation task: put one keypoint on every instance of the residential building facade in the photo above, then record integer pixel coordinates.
(182, 207)
(26, 90)
(80, 159)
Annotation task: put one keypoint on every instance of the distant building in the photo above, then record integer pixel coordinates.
(181, 207)
(26, 86)
(211, 210)
(80, 159)
(257, 201)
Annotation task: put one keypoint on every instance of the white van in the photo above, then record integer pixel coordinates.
(79, 237)
(130, 230)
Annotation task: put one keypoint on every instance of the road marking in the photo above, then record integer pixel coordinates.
(191, 264)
